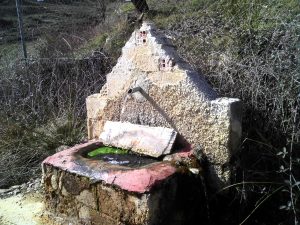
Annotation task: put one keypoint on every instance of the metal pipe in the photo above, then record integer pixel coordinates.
(133, 90)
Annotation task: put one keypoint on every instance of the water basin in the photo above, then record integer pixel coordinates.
(117, 156)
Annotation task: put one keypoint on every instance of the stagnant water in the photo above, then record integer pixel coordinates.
(122, 157)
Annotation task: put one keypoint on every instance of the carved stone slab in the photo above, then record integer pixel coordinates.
(152, 141)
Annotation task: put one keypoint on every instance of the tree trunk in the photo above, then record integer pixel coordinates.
(140, 5)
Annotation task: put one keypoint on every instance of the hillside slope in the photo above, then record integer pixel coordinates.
(48, 17)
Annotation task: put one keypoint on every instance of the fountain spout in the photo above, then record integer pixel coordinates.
(133, 90)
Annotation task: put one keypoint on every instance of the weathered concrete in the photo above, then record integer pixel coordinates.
(151, 141)
(174, 96)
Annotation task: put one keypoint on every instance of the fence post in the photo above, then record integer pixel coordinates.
(20, 20)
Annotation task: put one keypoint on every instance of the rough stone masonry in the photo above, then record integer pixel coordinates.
(173, 95)
(81, 190)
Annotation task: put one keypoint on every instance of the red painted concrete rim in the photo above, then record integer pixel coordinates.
(139, 180)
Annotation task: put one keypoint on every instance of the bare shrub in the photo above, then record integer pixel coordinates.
(42, 107)
(42, 102)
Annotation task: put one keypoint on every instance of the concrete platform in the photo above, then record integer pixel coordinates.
(146, 140)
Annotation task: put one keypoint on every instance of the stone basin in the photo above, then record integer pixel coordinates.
(121, 157)
(139, 179)
(86, 190)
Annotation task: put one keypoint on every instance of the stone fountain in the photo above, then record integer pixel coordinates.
(155, 105)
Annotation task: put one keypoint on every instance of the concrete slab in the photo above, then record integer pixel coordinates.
(152, 141)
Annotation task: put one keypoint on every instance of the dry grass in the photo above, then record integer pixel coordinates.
(43, 107)
(42, 102)
(249, 50)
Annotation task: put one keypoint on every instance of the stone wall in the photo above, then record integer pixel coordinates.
(174, 96)
(77, 200)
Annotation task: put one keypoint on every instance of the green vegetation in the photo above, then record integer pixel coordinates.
(48, 17)
(127, 7)
(41, 110)
(54, 28)
(91, 45)
(246, 49)
(107, 150)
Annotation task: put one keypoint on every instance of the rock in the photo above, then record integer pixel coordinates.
(64, 192)
(84, 213)
(87, 198)
(15, 187)
(4, 191)
(36, 186)
(103, 203)
(54, 183)
(194, 170)
(16, 191)
(23, 186)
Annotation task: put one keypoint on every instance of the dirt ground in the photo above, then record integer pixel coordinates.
(21, 209)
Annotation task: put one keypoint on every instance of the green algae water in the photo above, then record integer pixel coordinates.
(106, 150)
(119, 156)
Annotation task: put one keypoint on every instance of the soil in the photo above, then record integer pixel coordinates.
(21, 209)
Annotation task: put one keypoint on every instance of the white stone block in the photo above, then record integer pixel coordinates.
(152, 141)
